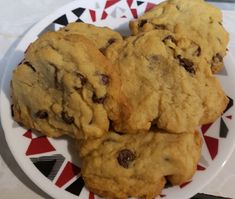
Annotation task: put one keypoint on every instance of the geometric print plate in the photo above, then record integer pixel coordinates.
(52, 164)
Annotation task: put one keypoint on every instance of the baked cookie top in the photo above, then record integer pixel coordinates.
(138, 165)
(102, 37)
(194, 19)
(62, 87)
(165, 83)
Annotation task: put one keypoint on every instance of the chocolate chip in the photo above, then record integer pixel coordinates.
(217, 58)
(68, 119)
(42, 114)
(187, 64)
(82, 78)
(77, 88)
(197, 52)
(155, 58)
(160, 26)
(142, 22)
(111, 41)
(154, 126)
(30, 65)
(97, 100)
(105, 79)
(167, 159)
(169, 37)
(220, 23)
(125, 156)
(56, 78)
(102, 50)
(111, 126)
(12, 111)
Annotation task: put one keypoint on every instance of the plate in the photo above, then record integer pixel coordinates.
(51, 164)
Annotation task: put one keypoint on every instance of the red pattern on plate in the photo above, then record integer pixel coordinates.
(134, 13)
(93, 15)
(110, 3)
(229, 117)
(91, 195)
(104, 15)
(129, 2)
(149, 6)
(39, 145)
(185, 184)
(212, 145)
(200, 168)
(205, 127)
(70, 171)
(28, 134)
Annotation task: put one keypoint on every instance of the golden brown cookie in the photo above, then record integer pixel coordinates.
(62, 87)
(122, 166)
(165, 83)
(195, 20)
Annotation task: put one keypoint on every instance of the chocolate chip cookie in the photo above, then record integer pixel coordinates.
(195, 20)
(122, 166)
(62, 87)
(164, 85)
(102, 37)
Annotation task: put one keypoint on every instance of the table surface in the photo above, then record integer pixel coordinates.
(17, 16)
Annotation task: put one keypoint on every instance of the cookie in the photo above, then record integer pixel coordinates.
(165, 84)
(102, 37)
(62, 87)
(195, 20)
(130, 169)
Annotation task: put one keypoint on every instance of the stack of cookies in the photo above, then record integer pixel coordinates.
(133, 105)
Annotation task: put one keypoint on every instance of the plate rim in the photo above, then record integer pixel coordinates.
(49, 19)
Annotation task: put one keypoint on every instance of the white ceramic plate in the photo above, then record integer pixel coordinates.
(51, 164)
